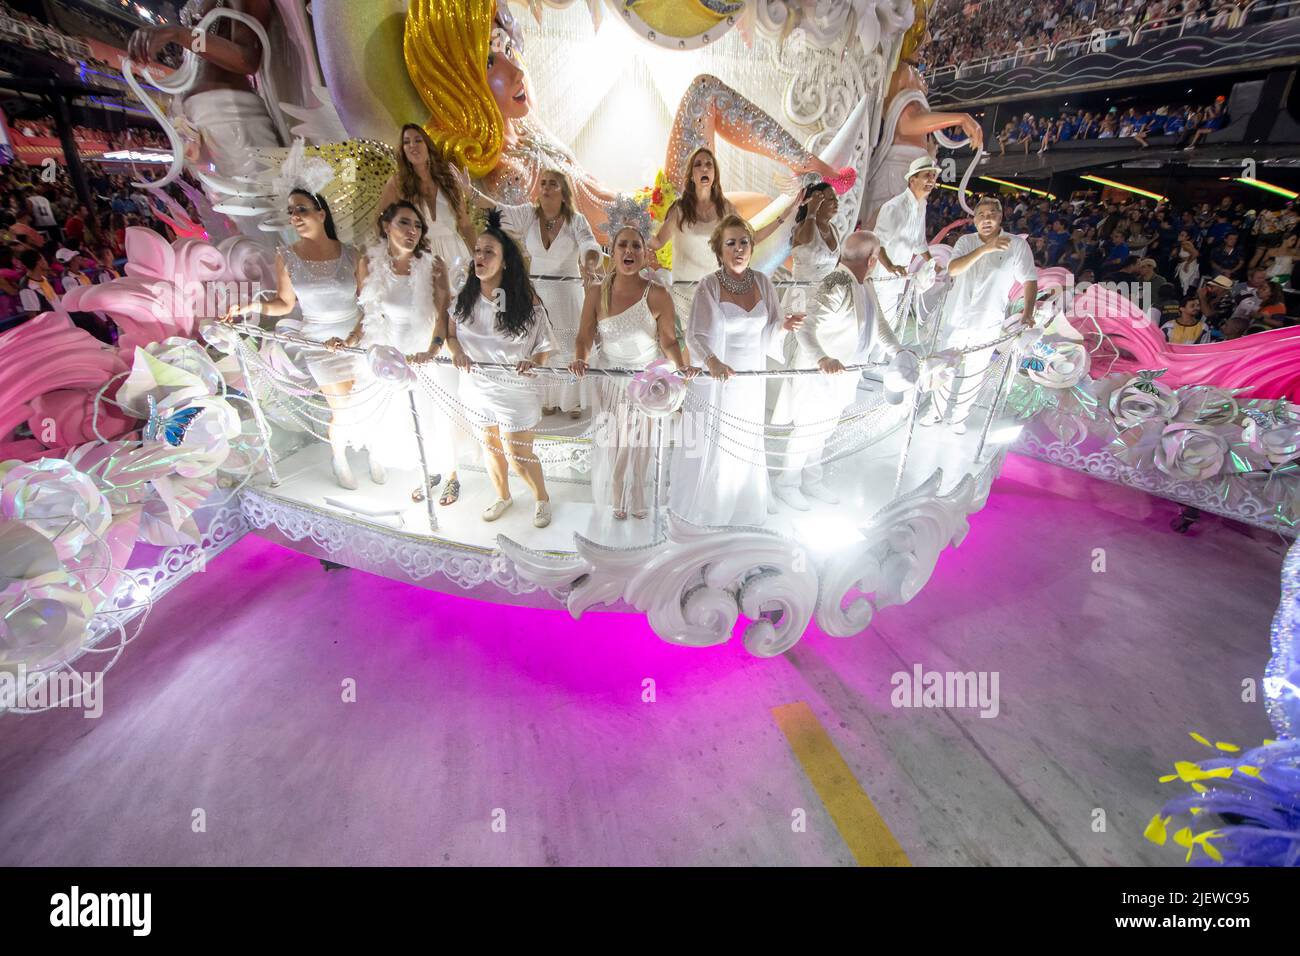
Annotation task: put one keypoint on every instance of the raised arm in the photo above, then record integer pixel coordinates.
(672, 219)
(241, 54)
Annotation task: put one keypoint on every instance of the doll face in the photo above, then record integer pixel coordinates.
(489, 258)
(506, 79)
(628, 252)
(737, 247)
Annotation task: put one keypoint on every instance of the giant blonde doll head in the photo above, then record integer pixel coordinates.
(463, 57)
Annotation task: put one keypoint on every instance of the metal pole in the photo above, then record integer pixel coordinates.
(262, 428)
(424, 465)
(997, 402)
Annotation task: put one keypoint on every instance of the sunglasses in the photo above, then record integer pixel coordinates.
(301, 210)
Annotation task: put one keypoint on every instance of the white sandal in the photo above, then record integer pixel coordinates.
(497, 509)
(542, 514)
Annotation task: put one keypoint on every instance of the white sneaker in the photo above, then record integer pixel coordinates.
(497, 509)
(343, 473)
(542, 514)
(791, 496)
(820, 492)
(378, 474)
(959, 428)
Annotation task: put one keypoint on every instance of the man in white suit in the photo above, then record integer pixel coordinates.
(844, 322)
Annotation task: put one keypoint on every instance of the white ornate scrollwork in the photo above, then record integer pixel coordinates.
(692, 587)
(899, 550)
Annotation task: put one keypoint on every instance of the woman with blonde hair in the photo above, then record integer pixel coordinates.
(431, 184)
(559, 243)
(628, 322)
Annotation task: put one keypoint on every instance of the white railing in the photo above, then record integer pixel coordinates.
(34, 35)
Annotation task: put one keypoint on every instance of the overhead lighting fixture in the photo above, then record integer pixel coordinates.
(1028, 189)
(1128, 189)
(1268, 187)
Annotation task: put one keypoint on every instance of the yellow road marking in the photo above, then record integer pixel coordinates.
(855, 816)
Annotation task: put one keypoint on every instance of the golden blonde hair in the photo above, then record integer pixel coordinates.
(729, 221)
(446, 45)
(611, 270)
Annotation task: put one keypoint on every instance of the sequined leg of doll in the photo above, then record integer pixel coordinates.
(710, 107)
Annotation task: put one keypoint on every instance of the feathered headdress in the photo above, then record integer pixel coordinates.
(625, 212)
(348, 175)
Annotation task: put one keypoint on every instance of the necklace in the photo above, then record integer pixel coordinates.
(737, 286)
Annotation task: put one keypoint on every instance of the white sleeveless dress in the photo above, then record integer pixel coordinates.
(622, 472)
(327, 297)
(563, 300)
(692, 261)
(398, 312)
(497, 397)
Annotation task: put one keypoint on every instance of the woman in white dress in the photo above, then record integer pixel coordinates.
(319, 274)
(499, 318)
(397, 309)
(629, 322)
(690, 223)
(558, 242)
(815, 247)
(719, 469)
(434, 186)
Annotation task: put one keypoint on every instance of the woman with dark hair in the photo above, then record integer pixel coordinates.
(691, 221)
(815, 244)
(320, 274)
(499, 318)
(396, 296)
(433, 186)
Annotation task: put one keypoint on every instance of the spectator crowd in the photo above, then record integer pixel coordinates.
(1189, 124)
(961, 30)
(50, 241)
(1204, 273)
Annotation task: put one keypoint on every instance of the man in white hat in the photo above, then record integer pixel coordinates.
(985, 264)
(843, 323)
(900, 227)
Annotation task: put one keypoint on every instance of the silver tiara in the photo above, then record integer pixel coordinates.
(626, 213)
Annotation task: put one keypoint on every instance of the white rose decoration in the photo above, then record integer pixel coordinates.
(658, 390)
(190, 356)
(388, 364)
(1191, 452)
(1207, 405)
(1142, 400)
(54, 498)
(1279, 443)
(1064, 368)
